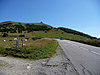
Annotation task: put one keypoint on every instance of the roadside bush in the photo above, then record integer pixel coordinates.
(5, 35)
(35, 38)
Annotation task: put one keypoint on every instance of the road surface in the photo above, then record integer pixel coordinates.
(85, 58)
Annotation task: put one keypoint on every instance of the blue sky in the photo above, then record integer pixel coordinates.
(81, 15)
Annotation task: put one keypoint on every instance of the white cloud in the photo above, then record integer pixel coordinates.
(98, 36)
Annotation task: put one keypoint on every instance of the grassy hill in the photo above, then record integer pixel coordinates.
(42, 30)
(49, 31)
(23, 24)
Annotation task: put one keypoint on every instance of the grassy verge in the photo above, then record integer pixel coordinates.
(42, 48)
(93, 42)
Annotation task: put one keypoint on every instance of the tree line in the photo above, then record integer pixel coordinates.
(9, 27)
(33, 27)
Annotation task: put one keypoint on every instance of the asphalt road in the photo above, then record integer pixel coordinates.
(85, 58)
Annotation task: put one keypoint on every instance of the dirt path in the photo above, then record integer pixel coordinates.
(56, 65)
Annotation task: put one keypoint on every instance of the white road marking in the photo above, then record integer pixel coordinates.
(84, 48)
(95, 52)
(68, 42)
(74, 44)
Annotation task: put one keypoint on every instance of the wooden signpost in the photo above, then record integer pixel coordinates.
(22, 38)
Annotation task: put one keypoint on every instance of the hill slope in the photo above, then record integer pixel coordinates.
(39, 30)
(10, 26)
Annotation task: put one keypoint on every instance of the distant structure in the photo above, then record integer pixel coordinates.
(41, 22)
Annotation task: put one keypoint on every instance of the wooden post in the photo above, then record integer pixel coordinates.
(17, 41)
(22, 38)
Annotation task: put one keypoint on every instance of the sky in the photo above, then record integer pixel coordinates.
(80, 15)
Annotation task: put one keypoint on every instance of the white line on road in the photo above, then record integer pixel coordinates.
(68, 42)
(75, 45)
(84, 48)
(95, 52)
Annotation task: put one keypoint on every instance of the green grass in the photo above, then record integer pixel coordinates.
(56, 34)
(42, 48)
(93, 42)
(13, 43)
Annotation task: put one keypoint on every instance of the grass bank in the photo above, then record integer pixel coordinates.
(93, 42)
(42, 48)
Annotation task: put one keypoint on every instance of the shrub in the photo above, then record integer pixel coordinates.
(35, 38)
(5, 35)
